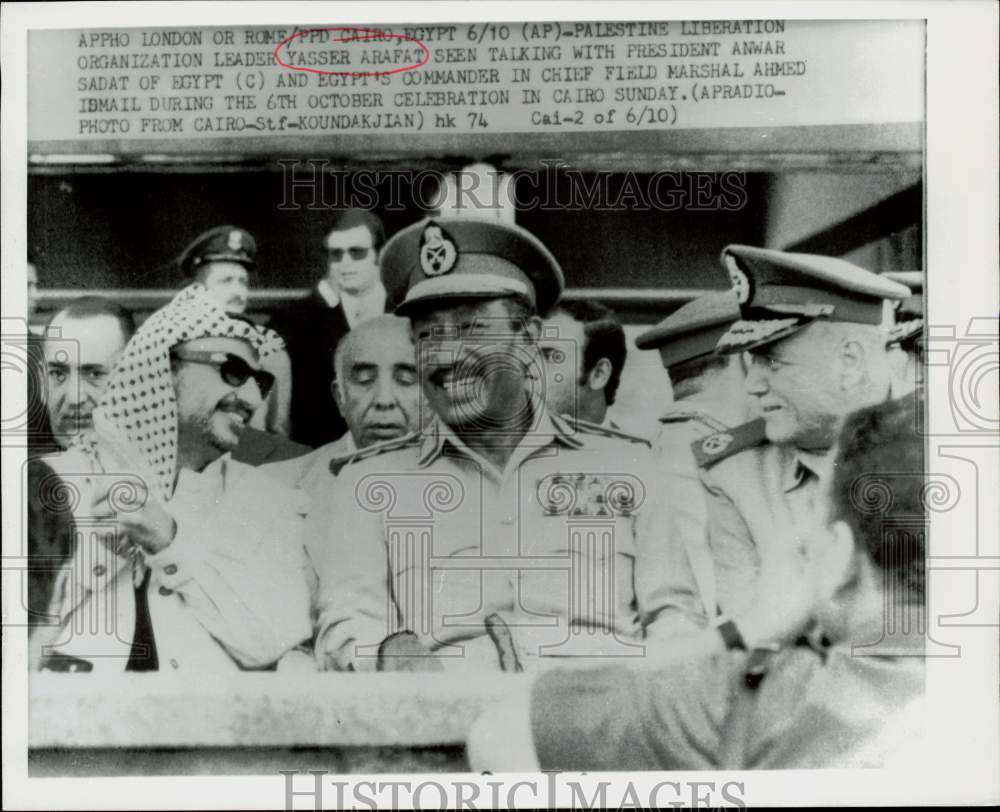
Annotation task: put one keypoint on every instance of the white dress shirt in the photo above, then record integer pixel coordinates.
(230, 591)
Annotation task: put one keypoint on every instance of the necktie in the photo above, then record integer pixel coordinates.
(143, 657)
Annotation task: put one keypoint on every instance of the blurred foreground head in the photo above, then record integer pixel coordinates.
(868, 557)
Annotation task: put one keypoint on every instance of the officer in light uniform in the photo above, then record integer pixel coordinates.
(510, 534)
(709, 397)
(757, 693)
(811, 326)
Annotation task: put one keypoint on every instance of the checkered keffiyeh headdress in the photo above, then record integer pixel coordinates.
(137, 414)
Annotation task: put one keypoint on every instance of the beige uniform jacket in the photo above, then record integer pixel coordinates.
(686, 536)
(425, 535)
(760, 501)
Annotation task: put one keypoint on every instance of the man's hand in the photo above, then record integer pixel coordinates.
(404, 652)
(140, 519)
(785, 605)
(787, 594)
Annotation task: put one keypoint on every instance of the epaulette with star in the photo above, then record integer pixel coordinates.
(411, 439)
(722, 444)
(586, 427)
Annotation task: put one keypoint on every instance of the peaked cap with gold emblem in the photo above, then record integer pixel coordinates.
(445, 259)
(781, 292)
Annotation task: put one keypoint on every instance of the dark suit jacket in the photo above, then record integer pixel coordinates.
(51, 537)
(257, 447)
(312, 329)
(40, 439)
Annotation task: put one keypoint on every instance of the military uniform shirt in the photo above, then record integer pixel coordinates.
(548, 544)
(687, 562)
(757, 497)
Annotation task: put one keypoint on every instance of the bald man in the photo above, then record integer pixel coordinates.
(376, 389)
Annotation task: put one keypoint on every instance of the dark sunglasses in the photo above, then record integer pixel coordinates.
(233, 370)
(355, 252)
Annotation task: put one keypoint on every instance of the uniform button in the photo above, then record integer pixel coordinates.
(99, 570)
(174, 664)
(507, 520)
(170, 569)
(165, 591)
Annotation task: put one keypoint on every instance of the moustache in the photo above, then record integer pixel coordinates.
(234, 403)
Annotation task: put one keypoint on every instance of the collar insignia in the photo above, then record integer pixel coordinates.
(716, 443)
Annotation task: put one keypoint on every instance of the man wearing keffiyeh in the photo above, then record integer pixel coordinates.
(202, 569)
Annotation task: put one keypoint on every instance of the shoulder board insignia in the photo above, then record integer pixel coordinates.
(338, 463)
(586, 427)
(703, 418)
(722, 444)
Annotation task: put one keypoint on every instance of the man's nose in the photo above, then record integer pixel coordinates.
(250, 393)
(76, 390)
(385, 394)
(756, 381)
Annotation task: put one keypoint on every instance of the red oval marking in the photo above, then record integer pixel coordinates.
(370, 34)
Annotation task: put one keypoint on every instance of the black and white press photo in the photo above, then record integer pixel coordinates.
(494, 406)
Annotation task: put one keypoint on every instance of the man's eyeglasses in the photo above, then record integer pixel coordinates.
(355, 252)
(233, 370)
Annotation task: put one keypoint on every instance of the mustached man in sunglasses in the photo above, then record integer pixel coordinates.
(349, 292)
(224, 260)
(182, 562)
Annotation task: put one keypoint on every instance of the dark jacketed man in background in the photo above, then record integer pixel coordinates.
(583, 346)
(378, 393)
(81, 345)
(349, 292)
(709, 396)
(40, 439)
(814, 330)
(505, 494)
(199, 569)
(83, 341)
(721, 701)
(32, 294)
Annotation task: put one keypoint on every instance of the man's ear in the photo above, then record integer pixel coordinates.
(852, 359)
(599, 375)
(338, 396)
